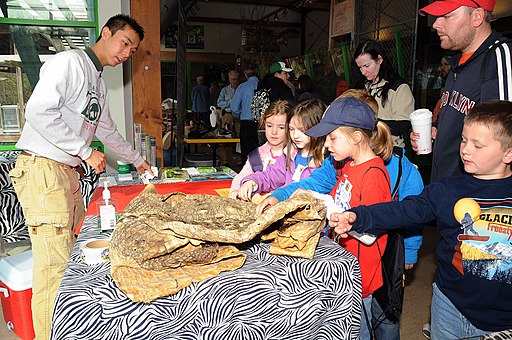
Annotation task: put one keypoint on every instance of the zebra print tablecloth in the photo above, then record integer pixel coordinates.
(269, 297)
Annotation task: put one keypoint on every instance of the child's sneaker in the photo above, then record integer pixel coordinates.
(426, 330)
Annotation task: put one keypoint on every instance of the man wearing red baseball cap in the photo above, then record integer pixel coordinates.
(443, 7)
(481, 71)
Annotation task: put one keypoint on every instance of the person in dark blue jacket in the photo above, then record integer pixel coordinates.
(276, 82)
(480, 71)
(473, 286)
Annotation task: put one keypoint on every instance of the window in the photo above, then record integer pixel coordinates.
(31, 31)
(10, 118)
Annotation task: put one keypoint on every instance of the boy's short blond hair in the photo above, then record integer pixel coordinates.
(497, 116)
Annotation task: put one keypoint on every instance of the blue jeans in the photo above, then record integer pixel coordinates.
(364, 333)
(384, 328)
(447, 322)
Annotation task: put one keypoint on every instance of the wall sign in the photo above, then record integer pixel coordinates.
(342, 17)
(195, 37)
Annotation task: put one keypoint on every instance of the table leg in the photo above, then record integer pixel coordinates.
(214, 156)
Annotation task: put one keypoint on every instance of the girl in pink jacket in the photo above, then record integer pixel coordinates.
(274, 121)
(294, 165)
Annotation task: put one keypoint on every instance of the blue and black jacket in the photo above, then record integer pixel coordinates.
(478, 80)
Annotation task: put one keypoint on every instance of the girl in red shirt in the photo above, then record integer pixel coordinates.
(356, 138)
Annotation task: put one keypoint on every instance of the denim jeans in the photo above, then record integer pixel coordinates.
(447, 322)
(385, 329)
(364, 333)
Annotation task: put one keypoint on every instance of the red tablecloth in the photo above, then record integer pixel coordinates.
(122, 195)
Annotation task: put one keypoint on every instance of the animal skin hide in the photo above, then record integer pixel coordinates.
(163, 243)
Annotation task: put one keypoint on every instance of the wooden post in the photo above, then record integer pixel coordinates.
(21, 100)
(147, 94)
(181, 77)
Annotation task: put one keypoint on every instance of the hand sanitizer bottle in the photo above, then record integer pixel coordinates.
(107, 210)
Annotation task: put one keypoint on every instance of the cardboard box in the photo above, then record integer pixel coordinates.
(16, 293)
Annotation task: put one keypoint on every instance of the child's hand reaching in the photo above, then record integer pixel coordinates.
(246, 190)
(233, 194)
(342, 222)
(267, 202)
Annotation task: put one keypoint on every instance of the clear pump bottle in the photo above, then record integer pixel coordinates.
(106, 210)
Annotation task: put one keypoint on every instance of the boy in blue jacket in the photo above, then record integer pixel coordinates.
(473, 287)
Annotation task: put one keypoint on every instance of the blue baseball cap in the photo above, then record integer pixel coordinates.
(347, 111)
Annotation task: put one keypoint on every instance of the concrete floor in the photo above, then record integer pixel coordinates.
(418, 289)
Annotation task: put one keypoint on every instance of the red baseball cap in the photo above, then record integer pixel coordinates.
(443, 7)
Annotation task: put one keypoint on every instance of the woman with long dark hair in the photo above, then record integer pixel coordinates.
(391, 91)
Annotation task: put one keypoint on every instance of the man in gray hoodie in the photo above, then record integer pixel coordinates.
(68, 106)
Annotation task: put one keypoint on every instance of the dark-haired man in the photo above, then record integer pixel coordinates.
(480, 71)
(68, 106)
(200, 96)
(277, 82)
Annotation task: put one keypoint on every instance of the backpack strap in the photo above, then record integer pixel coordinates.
(254, 159)
(489, 54)
(338, 166)
(385, 177)
(399, 152)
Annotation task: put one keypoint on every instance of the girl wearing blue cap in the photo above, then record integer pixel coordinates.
(357, 143)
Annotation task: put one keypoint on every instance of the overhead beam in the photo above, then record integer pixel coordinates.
(291, 4)
(239, 22)
(201, 57)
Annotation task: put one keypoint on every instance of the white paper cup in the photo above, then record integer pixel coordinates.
(421, 121)
(95, 251)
